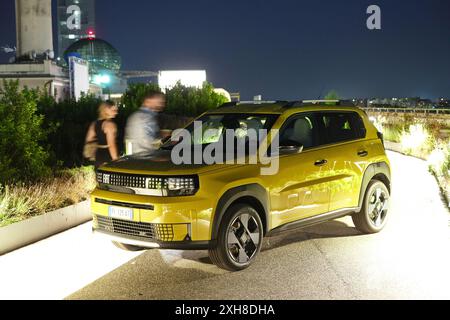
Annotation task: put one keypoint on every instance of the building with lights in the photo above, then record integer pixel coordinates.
(104, 63)
(34, 65)
(190, 78)
(96, 64)
(75, 20)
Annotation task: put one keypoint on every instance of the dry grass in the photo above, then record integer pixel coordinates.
(20, 202)
(425, 138)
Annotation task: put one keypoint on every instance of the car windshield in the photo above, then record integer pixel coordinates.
(214, 126)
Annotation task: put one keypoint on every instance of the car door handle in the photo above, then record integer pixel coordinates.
(320, 163)
(363, 153)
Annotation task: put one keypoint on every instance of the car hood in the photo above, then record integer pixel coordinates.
(157, 162)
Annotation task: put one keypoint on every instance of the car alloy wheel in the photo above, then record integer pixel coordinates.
(378, 206)
(243, 238)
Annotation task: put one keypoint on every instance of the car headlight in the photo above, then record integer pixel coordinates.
(181, 186)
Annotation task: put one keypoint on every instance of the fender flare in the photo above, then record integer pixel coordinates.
(255, 191)
(380, 168)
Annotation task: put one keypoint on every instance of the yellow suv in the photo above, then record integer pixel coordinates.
(330, 162)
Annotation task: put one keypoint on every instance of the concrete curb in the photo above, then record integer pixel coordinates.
(26, 232)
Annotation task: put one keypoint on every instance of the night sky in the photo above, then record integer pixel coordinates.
(283, 49)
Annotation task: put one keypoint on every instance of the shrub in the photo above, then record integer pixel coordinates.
(22, 201)
(439, 160)
(392, 133)
(134, 97)
(22, 137)
(181, 100)
(67, 123)
(417, 141)
(192, 102)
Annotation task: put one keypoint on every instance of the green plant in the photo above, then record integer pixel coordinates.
(25, 200)
(134, 96)
(332, 95)
(181, 100)
(439, 160)
(417, 141)
(23, 156)
(392, 133)
(67, 123)
(192, 102)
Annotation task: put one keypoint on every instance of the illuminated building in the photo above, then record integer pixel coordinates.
(76, 19)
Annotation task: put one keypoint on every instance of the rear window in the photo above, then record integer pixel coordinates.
(342, 126)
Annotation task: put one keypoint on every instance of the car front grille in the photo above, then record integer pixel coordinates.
(149, 231)
(130, 180)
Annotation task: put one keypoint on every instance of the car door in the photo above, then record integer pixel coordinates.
(344, 136)
(300, 189)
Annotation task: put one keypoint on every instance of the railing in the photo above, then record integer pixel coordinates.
(409, 110)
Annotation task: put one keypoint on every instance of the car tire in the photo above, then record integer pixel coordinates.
(239, 239)
(374, 213)
(127, 247)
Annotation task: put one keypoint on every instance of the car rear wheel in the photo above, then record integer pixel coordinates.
(374, 213)
(239, 240)
(127, 247)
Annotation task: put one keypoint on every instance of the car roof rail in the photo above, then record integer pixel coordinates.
(291, 104)
(255, 103)
(228, 105)
(303, 103)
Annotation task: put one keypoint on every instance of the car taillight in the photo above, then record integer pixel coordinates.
(381, 137)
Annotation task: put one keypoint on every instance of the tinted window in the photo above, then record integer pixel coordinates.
(300, 130)
(213, 127)
(341, 127)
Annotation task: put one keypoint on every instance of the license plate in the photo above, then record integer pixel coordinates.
(121, 213)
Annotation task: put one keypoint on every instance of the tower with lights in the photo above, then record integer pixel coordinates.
(76, 21)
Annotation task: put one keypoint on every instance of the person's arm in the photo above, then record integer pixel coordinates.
(110, 130)
(90, 136)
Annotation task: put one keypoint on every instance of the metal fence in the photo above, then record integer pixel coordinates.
(409, 110)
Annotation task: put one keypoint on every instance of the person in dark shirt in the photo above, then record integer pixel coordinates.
(104, 132)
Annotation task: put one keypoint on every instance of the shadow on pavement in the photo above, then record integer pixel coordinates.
(331, 229)
(165, 270)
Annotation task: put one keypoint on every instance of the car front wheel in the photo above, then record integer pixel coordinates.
(239, 240)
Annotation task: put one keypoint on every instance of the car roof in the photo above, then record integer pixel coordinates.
(284, 107)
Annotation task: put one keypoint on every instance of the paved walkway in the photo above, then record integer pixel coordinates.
(409, 259)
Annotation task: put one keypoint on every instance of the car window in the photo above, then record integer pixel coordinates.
(341, 127)
(300, 131)
(214, 126)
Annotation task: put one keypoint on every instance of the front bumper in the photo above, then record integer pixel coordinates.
(151, 244)
(157, 222)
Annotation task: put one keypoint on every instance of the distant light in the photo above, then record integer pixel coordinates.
(91, 34)
(101, 79)
(188, 78)
(72, 36)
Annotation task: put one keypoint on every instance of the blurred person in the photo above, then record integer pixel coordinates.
(142, 133)
(101, 144)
